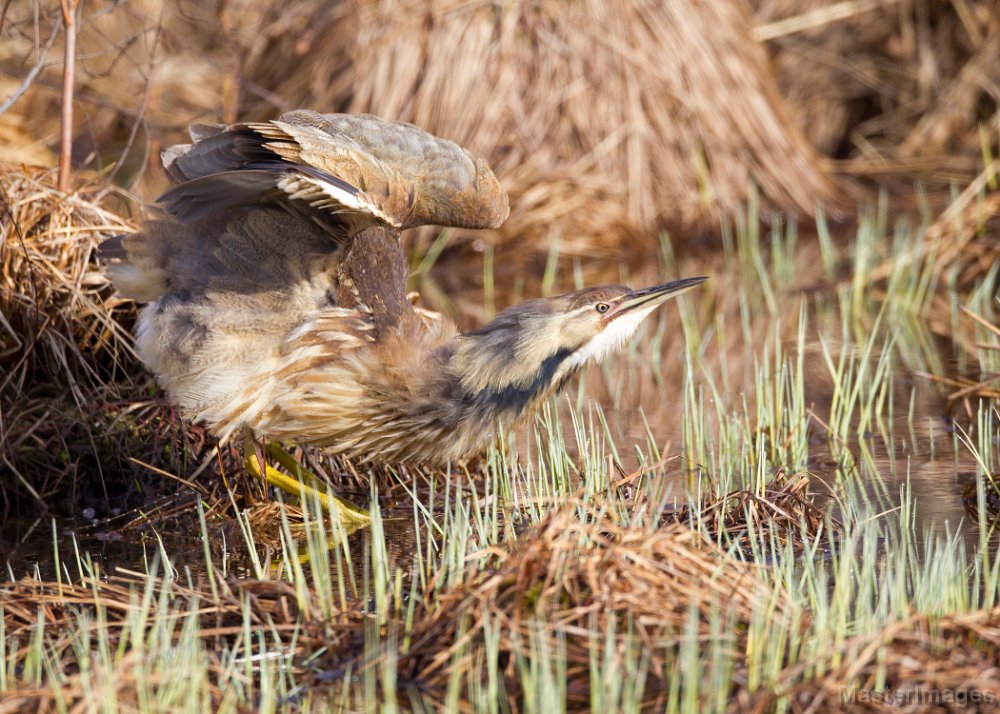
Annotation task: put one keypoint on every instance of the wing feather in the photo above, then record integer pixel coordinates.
(355, 168)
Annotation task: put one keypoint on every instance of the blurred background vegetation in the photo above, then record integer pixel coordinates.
(604, 120)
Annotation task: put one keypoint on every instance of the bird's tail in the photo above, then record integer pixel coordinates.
(136, 268)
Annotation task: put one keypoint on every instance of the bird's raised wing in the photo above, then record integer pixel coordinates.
(359, 168)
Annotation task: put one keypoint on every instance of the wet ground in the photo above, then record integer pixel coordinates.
(922, 451)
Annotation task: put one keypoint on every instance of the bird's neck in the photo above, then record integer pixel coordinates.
(506, 396)
(468, 401)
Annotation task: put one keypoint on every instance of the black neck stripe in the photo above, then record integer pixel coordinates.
(514, 398)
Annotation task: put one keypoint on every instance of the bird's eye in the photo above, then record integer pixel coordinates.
(602, 307)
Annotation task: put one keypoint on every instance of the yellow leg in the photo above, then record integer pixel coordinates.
(351, 516)
(275, 452)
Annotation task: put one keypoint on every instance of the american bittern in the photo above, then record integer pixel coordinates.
(278, 306)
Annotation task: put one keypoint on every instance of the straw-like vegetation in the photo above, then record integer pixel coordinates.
(61, 330)
(77, 413)
(601, 120)
(579, 577)
(919, 663)
(61, 323)
(888, 89)
(781, 498)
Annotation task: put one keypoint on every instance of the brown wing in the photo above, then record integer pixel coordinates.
(361, 168)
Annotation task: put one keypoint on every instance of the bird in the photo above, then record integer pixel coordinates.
(274, 283)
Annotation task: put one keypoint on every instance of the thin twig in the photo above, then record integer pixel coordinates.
(30, 78)
(982, 321)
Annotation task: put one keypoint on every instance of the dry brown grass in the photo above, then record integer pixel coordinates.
(965, 390)
(59, 321)
(271, 602)
(654, 576)
(783, 507)
(964, 237)
(890, 89)
(573, 574)
(963, 245)
(602, 120)
(596, 116)
(951, 657)
(75, 403)
(605, 122)
(61, 332)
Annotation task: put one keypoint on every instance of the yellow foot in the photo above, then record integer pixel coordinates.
(351, 516)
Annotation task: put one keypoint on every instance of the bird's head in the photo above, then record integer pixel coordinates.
(532, 348)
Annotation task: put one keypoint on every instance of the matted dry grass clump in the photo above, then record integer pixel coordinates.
(59, 321)
(573, 577)
(61, 338)
(75, 403)
(783, 509)
(110, 600)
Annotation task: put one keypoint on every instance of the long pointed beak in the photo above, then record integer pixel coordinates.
(651, 297)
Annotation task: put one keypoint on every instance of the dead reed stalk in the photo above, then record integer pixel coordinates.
(69, 11)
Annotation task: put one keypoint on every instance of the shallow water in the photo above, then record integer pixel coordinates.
(924, 456)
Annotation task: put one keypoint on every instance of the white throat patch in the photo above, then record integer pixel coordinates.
(610, 340)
